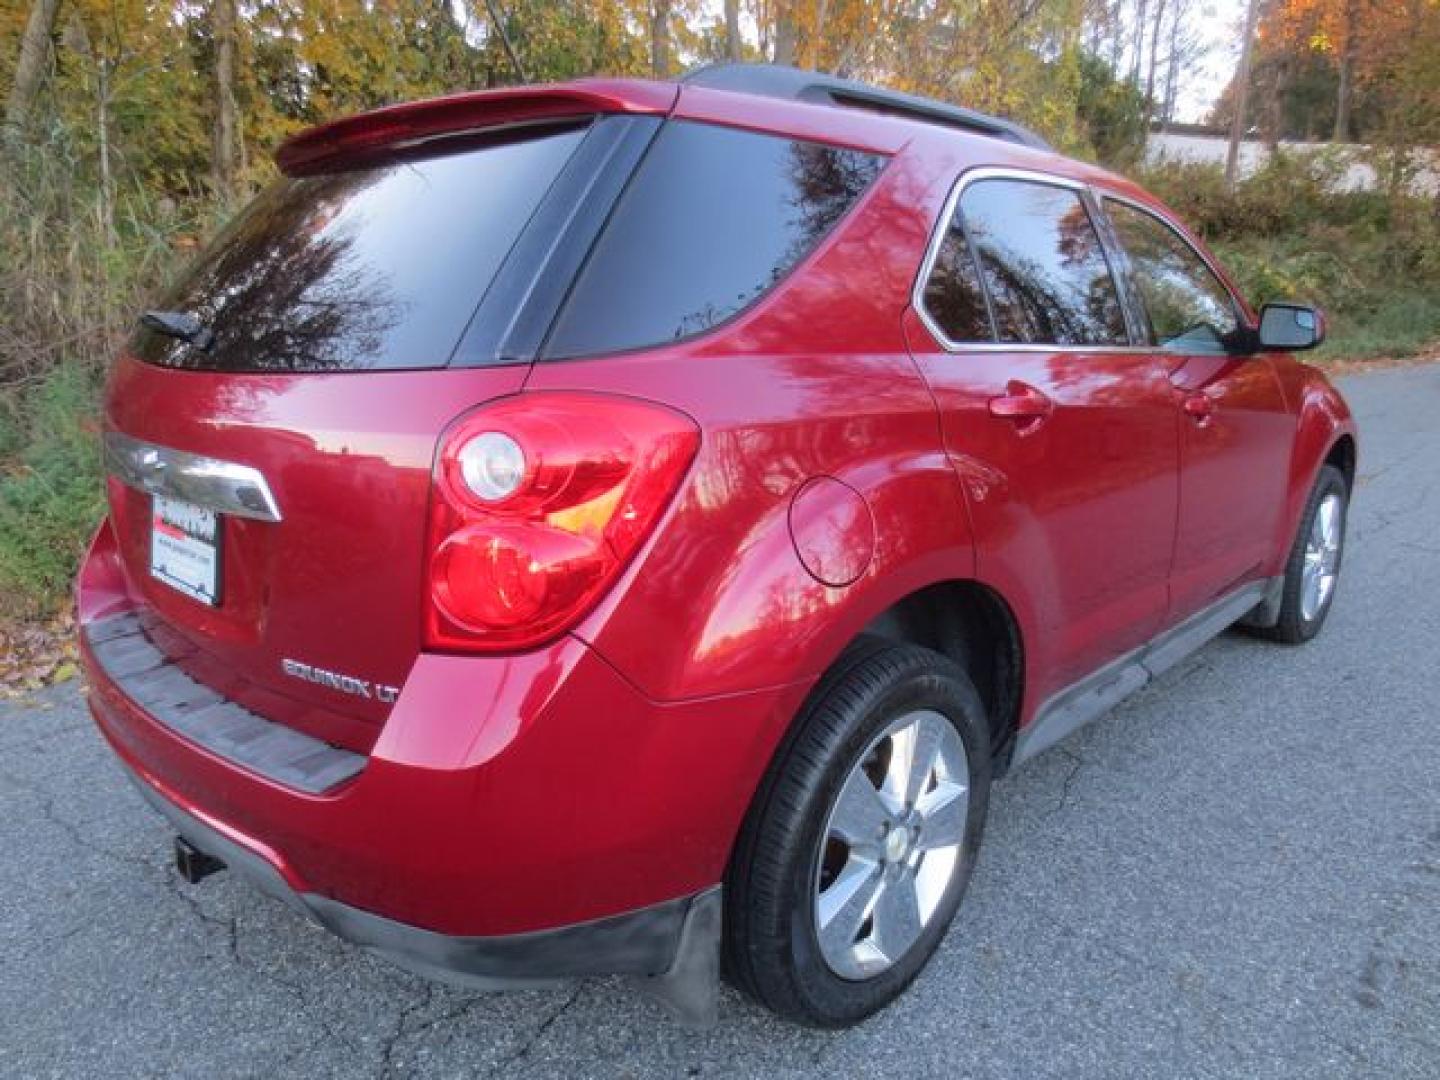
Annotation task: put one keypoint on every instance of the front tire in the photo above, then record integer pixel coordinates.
(856, 853)
(1313, 570)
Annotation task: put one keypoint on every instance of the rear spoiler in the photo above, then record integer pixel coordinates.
(323, 146)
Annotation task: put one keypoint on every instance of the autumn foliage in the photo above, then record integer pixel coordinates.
(1347, 70)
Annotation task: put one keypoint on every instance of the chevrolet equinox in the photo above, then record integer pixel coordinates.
(625, 527)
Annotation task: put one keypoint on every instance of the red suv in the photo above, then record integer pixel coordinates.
(624, 527)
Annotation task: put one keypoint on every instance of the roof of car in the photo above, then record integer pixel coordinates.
(794, 84)
(865, 107)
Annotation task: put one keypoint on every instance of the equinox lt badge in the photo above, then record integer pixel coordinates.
(346, 684)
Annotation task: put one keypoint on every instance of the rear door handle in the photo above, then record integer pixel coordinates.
(1027, 406)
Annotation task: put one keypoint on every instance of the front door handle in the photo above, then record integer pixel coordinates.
(1027, 406)
(1199, 406)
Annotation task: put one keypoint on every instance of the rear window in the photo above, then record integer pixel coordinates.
(711, 220)
(372, 269)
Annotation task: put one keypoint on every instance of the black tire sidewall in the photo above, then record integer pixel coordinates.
(931, 683)
(1293, 625)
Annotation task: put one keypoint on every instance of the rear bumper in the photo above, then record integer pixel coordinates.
(503, 798)
(651, 942)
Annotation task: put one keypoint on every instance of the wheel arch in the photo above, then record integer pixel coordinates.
(1342, 455)
(963, 619)
(1324, 435)
(971, 624)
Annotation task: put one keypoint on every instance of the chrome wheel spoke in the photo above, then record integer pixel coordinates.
(842, 909)
(1330, 523)
(1310, 592)
(943, 814)
(912, 756)
(897, 917)
(859, 817)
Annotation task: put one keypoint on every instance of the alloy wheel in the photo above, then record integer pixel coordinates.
(892, 845)
(1322, 557)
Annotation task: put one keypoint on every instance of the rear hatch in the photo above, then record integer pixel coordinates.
(303, 370)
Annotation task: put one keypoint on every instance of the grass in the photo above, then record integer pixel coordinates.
(1373, 314)
(51, 494)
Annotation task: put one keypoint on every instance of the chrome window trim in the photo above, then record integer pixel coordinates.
(222, 486)
(1102, 194)
(937, 238)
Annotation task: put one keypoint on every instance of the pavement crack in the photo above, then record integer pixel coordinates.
(402, 1029)
(537, 1035)
(1076, 761)
(72, 830)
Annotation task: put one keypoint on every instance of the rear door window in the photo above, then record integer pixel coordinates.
(369, 269)
(1042, 264)
(711, 220)
(1189, 310)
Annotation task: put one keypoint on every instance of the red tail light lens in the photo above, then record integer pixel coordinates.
(539, 502)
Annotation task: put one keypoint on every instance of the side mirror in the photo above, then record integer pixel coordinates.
(1291, 327)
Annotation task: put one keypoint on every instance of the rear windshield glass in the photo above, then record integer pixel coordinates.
(712, 219)
(377, 268)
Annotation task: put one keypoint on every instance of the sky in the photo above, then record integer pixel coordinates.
(1221, 27)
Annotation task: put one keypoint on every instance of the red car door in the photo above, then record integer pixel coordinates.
(1235, 433)
(1064, 434)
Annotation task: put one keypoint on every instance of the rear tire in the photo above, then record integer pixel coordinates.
(1312, 572)
(857, 850)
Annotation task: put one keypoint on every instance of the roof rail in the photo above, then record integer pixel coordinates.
(776, 80)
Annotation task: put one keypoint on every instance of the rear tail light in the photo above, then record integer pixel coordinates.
(540, 500)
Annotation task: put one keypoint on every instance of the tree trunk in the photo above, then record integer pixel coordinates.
(1115, 23)
(1347, 73)
(787, 35)
(822, 10)
(225, 136)
(1139, 58)
(1242, 94)
(732, 29)
(1154, 60)
(30, 68)
(660, 38)
(102, 140)
(1172, 77)
(1274, 122)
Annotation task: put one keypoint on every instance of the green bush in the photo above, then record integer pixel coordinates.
(51, 492)
(1370, 259)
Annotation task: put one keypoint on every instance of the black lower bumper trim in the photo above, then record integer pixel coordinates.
(672, 948)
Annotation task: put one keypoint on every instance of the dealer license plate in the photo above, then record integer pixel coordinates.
(185, 548)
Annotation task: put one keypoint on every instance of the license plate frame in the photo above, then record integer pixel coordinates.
(186, 547)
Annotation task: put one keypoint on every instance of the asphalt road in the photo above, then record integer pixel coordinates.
(1235, 874)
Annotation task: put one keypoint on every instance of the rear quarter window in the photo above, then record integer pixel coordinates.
(369, 269)
(712, 219)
